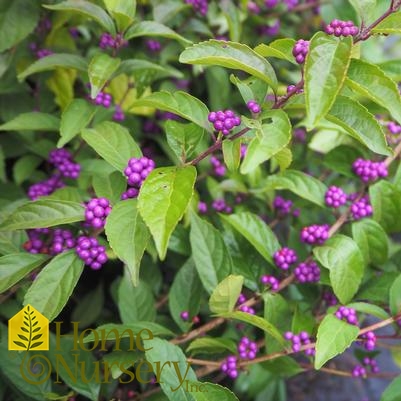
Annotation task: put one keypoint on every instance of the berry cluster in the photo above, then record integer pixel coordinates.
(62, 241)
(153, 45)
(300, 50)
(361, 370)
(136, 172)
(369, 340)
(219, 168)
(369, 171)
(341, 28)
(253, 107)
(108, 41)
(270, 30)
(62, 160)
(103, 99)
(220, 205)
(284, 258)
(36, 242)
(118, 113)
(329, 298)
(347, 314)
(247, 349)
(224, 121)
(282, 206)
(270, 281)
(361, 208)
(335, 197)
(40, 53)
(44, 188)
(200, 6)
(315, 234)
(298, 340)
(230, 366)
(307, 272)
(244, 308)
(89, 250)
(96, 211)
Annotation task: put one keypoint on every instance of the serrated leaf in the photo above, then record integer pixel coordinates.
(54, 285)
(153, 28)
(359, 123)
(325, 71)
(34, 121)
(210, 254)
(333, 337)
(272, 138)
(113, 143)
(210, 392)
(225, 295)
(395, 296)
(44, 213)
(256, 231)
(256, 321)
(280, 48)
(372, 241)
(180, 103)
(128, 235)
(74, 118)
(390, 25)
(88, 9)
(386, 202)
(163, 200)
(230, 55)
(342, 256)
(16, 266)
(301, 184)
(53, 61)
(100, 69)
(370, 81)
(159, 352)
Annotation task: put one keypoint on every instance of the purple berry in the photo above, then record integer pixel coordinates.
(361, 208)
(270, 281)
(253, 107)
(224, 121)
(247, 349)
(284, 258)
(96, 211)
(221, 206)
(341, 28)
(230, 366)
(315, 234)
(282, 206)
(307, 272)
(335, 197)
(184, 315)
(137, 170)
(200, 6)
(153, 45)
(89, 250)
(369, 171)
(202, 207)
(300, 50)
(347, 314)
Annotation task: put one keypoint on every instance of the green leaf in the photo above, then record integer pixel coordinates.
(153, 28)
(24, 166)
(183, 139)
(273, 138)
(124, 330)
(88, 9)
(393, 391)
(325, 70)
(225, 295)
(256, 231)
(370, 81)
(386, 202)
(395, 296)
(128, 235)
(372, 241)
(135, 303)
(16, 266)
(256, 321)
(18, 19)
(54, 61)
(280, 48)
(180, 103)
(175, 371)
(333, 337)
(100, 69)
(211, 345)
(54, 285)
(369, 309)
(44, 213)
(283, 158)
(299, 183)
(163, 200)
(390, 25)
(118, 361)
(133, 65)
(364, 8)
(232, 154)
(110, 186)
(210, 392)
(123, 12)
(392, 68)
(231, 55)
(113, 143)
(185, 294)
(74, 118)
(34, 121)
(342, 256)
(359, 123)
(211, 256)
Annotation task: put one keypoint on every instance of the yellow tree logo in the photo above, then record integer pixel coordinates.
(28, 330)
